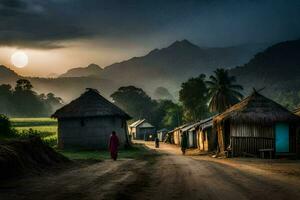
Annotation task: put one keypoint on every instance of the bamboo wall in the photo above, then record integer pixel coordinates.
(250, 145)
(250, 138)
(249, 130)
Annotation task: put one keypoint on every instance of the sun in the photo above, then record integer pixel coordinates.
(19, 59)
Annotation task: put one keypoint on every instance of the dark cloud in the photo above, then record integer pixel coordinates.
(49, 24)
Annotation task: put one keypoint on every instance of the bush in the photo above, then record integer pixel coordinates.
(5, 125)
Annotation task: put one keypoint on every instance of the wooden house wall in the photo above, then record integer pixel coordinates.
(192, 139)
(133, 132)
(177, 137)
(250, 138)
(207, 139)
(203, 140)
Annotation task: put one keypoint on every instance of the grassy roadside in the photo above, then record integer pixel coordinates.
(134, 152)
(46, 128)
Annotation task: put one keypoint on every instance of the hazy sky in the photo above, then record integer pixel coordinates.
(61, 34)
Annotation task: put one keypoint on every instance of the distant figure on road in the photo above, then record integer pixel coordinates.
(113, 145)
(156, 142)
(183, 143)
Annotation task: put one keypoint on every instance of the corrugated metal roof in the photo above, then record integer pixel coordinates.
(136, 123)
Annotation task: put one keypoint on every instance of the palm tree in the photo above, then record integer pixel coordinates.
(223, 91)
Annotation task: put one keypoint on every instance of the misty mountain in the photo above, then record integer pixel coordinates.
(167, 67)
(277, 69)
(7, 75)
(65, 87)
(177, 62)
(90, 70)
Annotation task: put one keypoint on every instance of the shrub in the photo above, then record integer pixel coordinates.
(5, 125)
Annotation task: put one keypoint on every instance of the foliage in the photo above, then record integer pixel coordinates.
(173, 116)
(135, 102)
(223, 91)
(22, 101)
(139, 105)
(167, 114)
(5, 125)
(289, 99)
(45, 128)
(193, 95)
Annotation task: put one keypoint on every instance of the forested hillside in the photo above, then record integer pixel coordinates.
(275, 70)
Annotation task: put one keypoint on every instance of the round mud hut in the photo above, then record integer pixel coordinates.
(88, 121)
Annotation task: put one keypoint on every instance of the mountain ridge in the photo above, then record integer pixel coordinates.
(167, 67)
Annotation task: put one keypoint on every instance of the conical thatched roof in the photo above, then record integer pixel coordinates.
(257, 109)
(90, 104)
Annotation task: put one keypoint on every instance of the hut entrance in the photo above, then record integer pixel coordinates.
(282, 137)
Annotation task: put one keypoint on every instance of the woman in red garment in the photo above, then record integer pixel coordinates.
(113, 145)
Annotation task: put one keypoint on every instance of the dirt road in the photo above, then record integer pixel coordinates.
(168, 176)
(184, 177)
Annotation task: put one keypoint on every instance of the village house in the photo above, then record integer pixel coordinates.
(176, 134)
(257, 126)
(207, 140)
(200, 135)
(142, 130)
(161, 134)
(191, 134)
(88, 121)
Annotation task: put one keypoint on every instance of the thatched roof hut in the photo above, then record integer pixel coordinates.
(89, 120)
(254, 124)
(257, 109)
(90, 104)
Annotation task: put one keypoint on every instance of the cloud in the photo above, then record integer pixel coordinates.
(50, 24)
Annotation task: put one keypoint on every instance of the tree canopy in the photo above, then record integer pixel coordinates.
(223, 91)
(22, 101)
(193, 95)
(135, 101)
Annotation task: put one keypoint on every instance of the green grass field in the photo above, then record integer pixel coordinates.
(46, 128)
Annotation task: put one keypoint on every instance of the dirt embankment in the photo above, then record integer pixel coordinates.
(108, 179)
(18, 157)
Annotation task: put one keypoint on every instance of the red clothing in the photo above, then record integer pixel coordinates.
(113, 146)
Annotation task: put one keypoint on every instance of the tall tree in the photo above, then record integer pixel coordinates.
(173, 116)
(166, 114)
(24, 102)
(23, 85)
(193, 95)
(223, 91)
(5, 99)
(134, 101)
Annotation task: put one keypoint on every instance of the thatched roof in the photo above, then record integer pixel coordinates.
(90, 104)
(257, 109)
(297, 111)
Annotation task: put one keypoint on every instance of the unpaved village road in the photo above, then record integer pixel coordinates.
(168, 176)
